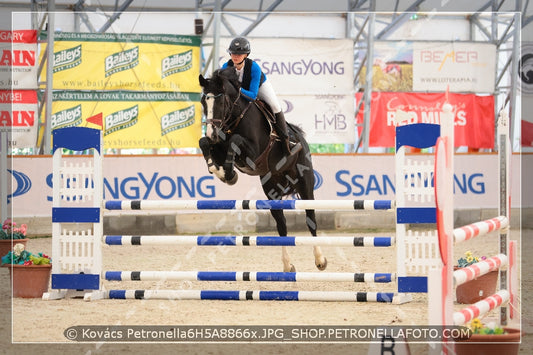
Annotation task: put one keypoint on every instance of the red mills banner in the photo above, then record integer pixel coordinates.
(474, 116)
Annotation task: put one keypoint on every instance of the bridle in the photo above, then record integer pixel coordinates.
(228, 123)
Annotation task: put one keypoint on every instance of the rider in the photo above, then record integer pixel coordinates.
(254, 84)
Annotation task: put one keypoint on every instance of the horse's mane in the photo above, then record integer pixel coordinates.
(230, 74)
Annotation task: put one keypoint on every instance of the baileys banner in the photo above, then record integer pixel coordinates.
(144, 85)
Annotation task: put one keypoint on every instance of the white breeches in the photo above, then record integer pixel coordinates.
(267, 94)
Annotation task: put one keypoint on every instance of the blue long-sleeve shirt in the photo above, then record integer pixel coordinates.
(255, 79)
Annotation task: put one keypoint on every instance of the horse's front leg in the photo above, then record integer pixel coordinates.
(206, 145)
(281, 224)
(236, 143)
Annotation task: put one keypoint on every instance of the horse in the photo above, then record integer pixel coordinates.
(239, 135)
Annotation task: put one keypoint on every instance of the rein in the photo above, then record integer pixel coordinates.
(225, 124)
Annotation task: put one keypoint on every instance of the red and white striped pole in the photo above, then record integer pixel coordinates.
(483, 267)
(480, 228)
(480, 308)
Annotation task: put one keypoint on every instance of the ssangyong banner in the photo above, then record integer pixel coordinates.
(19, 116)
(18, 61)
(343, 177)
(126, 61)
(313, 79)
(474, 116)
(133, 119)
(301, 66)
(402, 66)
(324, 118)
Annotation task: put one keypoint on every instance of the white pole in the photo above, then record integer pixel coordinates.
(4, 174)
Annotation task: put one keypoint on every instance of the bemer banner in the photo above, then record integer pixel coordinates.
(432, 66)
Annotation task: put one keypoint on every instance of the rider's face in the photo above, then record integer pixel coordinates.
(237, 58)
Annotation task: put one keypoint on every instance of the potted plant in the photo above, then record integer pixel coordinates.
(489, 339)
(478, 289)
(11, 235)
(30, 273)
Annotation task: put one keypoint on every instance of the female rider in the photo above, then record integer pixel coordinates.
(254, 84)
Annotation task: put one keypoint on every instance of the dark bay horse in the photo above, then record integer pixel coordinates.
(239, 136)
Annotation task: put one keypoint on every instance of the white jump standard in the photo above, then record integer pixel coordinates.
(443, 279)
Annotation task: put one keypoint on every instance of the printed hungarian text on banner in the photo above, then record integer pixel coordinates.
(19, 116)
(474, 116)
(133, 119)
(137, 62)
(18, 61)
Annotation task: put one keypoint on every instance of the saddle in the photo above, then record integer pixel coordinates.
(261, 163)
(267, 112)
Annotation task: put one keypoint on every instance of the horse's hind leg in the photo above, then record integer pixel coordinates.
(281, 224)
(305, 190)
(320, 260)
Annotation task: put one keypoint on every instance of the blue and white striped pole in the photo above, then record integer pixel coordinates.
(248, 276)
(209, 240)
(335, 296)
(249, 204)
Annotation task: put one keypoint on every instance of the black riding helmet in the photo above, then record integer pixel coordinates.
(239, 45)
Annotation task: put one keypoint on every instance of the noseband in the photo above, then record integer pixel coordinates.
(228, 123)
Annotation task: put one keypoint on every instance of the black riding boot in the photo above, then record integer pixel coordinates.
(281, 130)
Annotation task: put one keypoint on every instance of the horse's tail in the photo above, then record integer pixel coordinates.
(298, 132)
(299, 135)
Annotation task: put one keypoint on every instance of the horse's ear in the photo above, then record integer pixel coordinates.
(203, 81)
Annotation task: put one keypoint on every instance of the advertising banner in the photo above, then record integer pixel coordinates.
(402, 66)
(133, 119)
(459, 66)
(19, 116)
(525, 80)
(301, 66)
(18, 61)
(343, 177)
(324, 118)
(118, 61)
(474, 116)
(313, 79)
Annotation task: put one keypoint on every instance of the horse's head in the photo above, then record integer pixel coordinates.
(220, 96)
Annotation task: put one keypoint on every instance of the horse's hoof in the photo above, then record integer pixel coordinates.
(322, 266)
(290, 269)
(233, 180)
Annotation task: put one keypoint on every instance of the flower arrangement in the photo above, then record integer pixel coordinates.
(20, 256)
(478, 327)
(469, 259)
(10, 230)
